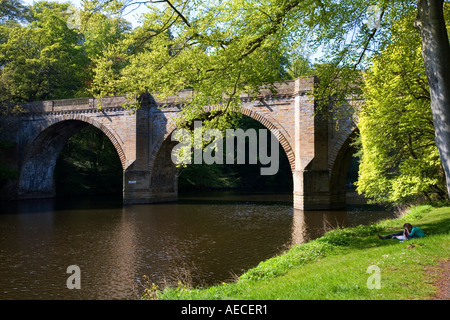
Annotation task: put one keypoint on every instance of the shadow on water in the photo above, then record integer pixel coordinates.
(61, 203)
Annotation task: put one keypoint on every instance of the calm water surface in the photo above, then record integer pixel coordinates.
(203, 239)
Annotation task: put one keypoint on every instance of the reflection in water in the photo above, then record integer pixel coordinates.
(202, 239)
(309, 225)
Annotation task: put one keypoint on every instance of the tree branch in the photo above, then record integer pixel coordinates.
(366, 46)
(178, 13)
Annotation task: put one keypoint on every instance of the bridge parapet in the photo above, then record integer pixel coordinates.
(282, 91)
(73, 105)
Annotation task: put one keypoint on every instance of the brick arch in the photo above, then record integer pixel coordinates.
(279, 132)
(340, 142)
(340, 163)
(112, 136)
(36, 178)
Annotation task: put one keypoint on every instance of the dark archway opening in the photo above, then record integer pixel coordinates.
(344, 173)
(352, 172)
(245, 177)
(88, 165)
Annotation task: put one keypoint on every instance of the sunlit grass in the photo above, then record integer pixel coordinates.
(336, 265)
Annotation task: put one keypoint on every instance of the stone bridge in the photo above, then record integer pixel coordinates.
(318, 153)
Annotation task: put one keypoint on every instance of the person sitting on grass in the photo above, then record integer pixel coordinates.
(416, 232)
(409, 232)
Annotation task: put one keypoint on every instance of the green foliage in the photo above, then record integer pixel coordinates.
(208, 48)
(203, 176)
(100, 33)
(331, 243)
(42, 60)
(54, 54)
(279, 265)
(222, 49)
(242, 176)
(12, 10)
(6, 173)
(151, 290)
(299, 67)
(6, 146)
(399, 158)
(88, 164)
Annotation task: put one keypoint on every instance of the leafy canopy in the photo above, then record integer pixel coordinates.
(42, 60)
(48, 49)
(222, 49)
(399, 158)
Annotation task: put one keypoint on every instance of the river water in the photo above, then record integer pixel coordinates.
(202, 239)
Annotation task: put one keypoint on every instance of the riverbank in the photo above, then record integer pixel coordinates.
(350, 263)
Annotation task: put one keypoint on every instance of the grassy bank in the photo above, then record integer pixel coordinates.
(341, 264)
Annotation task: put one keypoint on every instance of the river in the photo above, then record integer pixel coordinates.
(202, 239)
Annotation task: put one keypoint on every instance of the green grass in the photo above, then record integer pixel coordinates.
(336, 265)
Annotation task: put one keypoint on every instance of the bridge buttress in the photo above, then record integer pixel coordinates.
(312, 176)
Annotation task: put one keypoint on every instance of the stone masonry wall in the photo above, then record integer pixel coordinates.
(142, 140)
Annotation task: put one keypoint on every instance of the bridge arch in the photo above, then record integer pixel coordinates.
(37, 173)
(339, 162)
(164, 173)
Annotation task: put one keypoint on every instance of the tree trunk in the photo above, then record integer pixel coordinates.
(436, 55)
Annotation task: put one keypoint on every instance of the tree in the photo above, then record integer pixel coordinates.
(436, 55)
(208, 49)
(88, 164)
(299, 67)
(222, 49)
(42, 60)
(47, 54)
(399, 158)
(12, 10)
(100, 32)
